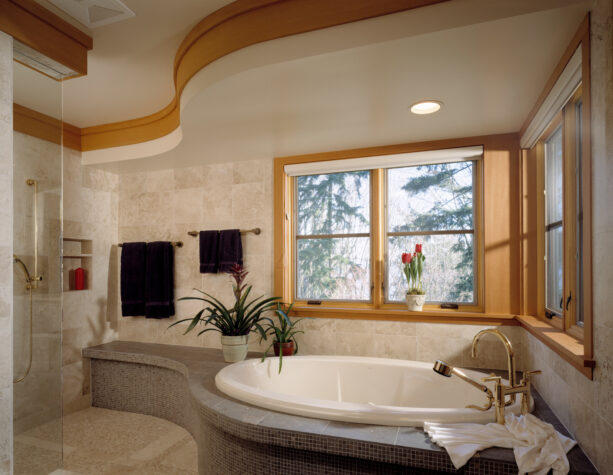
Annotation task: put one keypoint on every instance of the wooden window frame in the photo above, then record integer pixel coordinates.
(378, 249)
(495, 304)
(565, 121)
(572, 342)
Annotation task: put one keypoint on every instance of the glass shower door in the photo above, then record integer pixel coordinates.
(37, 285)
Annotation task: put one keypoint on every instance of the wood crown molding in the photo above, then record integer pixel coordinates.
(42, 30)
(233, 27)
(35, 124)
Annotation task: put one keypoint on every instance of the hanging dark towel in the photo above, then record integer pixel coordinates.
(159, 288)
(133, 270)
(230, 249)
(209, 247)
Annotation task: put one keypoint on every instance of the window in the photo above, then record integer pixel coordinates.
(350, 227)
(433, 205)
(333, 237)
(562, 147)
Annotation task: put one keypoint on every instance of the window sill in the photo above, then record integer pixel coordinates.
(562, 343)
(427, 316)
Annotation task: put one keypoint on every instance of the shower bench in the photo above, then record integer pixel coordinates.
(177, 383)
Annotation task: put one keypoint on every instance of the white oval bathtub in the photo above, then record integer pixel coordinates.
(357, 389)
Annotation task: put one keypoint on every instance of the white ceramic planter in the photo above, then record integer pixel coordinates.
(415, 303)
(234, 348)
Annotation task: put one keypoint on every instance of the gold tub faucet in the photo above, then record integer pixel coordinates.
(510, 355)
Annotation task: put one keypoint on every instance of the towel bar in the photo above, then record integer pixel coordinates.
(174, 243)
(255, 231)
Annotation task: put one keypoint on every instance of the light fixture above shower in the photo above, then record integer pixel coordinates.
(95, 13)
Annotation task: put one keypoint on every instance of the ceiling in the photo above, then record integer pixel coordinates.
(343, 87)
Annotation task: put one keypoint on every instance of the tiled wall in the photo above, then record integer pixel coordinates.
(165, 205)
(6, 251)
(37, 399)
(586, 407)
(90, 204)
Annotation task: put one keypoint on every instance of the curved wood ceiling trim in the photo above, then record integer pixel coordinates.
(237, 25)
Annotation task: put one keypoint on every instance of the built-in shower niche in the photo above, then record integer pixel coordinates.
(76, 253)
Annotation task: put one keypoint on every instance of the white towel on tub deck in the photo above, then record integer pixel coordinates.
(537, 446)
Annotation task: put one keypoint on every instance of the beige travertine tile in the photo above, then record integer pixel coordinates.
(190, 177)
(159, 180)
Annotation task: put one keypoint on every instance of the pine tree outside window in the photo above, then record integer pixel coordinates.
(343, 220)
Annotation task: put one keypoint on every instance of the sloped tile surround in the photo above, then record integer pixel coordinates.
(177, 384)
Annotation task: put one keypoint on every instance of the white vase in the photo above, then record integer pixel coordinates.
(234, 348)
(415, 303)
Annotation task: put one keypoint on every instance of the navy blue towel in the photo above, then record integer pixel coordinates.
(209, 252)
(230, 249)
(133, 270)
(159, 285)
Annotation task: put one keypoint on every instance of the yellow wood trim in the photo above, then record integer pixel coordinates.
(562, 343)
(440, 316)
(37, 27)
(45, 127)
(235, 26)
(586, 163)
(501, 231)
(377, 237)
(570, 210)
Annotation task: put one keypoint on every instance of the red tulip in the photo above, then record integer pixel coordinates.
(406, 258)
(417, 248)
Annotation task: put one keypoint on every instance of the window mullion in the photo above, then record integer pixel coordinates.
(378, 236)
(570, 213)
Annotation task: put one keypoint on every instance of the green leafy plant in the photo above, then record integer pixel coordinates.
(283, 331)
(240, 319)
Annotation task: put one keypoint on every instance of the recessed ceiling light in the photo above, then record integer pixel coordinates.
(426, 107)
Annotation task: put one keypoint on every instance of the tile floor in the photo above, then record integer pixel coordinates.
(104, 442)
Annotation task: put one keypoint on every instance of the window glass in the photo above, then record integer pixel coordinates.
(433, 205)
(333, 238)
(449, 270)
(554, 243)
(334, 203)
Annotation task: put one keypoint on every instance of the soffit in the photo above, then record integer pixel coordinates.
(487, 74)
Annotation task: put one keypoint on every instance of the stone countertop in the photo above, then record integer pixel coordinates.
(200, 365)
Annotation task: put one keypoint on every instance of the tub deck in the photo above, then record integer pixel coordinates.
(177, 383)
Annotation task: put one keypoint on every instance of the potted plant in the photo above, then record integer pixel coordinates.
(234, 323)
(284, 332)
(413, 267)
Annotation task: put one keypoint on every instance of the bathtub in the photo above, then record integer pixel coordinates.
(357, 389)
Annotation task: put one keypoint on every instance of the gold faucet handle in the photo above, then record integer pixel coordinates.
(527, 375)
(497, 379)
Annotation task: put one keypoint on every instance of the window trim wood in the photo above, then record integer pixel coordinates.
(564, 341)
(500, 160)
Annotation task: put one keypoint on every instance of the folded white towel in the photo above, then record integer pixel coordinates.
(537, 446)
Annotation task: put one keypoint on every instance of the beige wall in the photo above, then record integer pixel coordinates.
(90, 212)
(6, 251)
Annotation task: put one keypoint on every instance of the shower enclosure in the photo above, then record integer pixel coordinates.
(37, 284)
